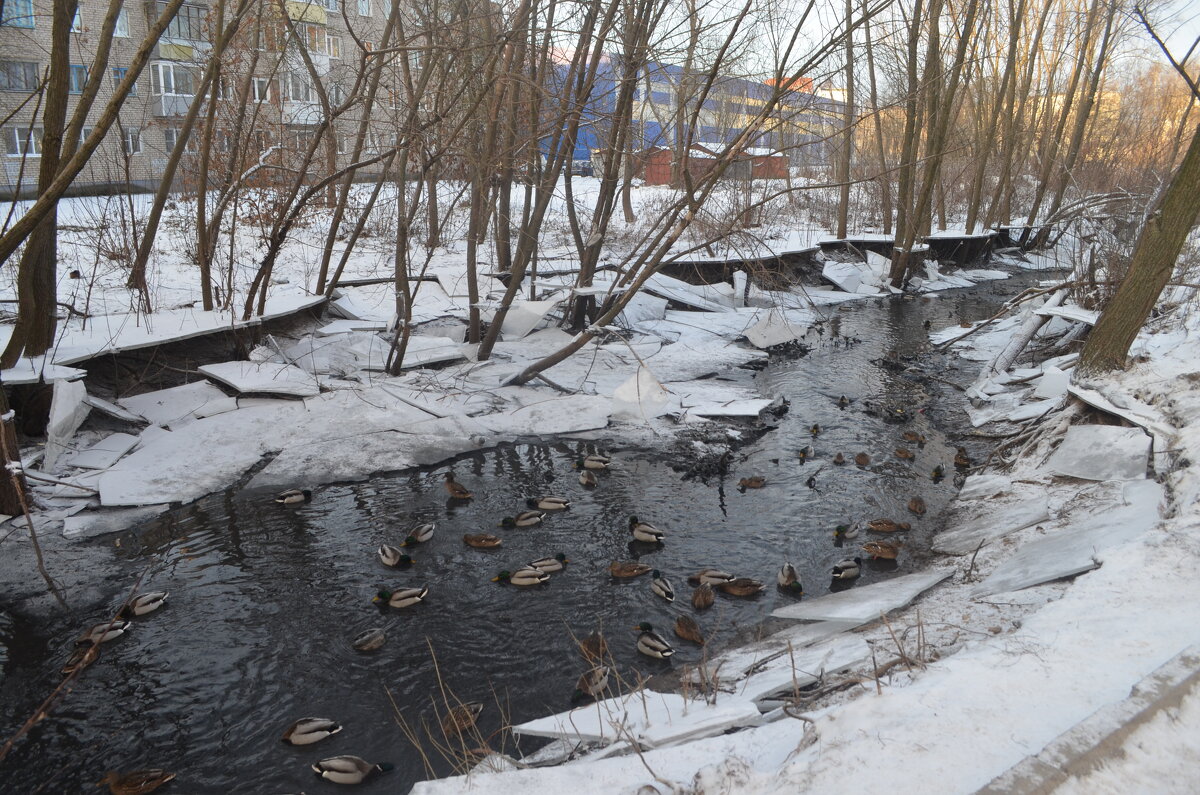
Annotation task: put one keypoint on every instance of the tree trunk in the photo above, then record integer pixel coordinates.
(1154, 256)
(847, 148)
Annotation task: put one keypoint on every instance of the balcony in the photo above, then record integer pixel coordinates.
(165, 105)
(307, 113)
(304, 11)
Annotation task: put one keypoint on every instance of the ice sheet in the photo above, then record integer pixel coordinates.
(266, 378)
(986, 520)
(105, 452)
(1102, 452)
(170, 406)
(865, 603)
(68, 410)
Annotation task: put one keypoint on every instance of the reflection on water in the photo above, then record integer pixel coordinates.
(265, 599)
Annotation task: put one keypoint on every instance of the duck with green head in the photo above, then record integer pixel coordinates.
(523, 519)
(523, 577)
(651, 644)
(393, 556)
(551, 564)
(401, 597)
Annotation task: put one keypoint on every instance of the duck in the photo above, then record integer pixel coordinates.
(104, 632)
(845, 531)
(419, 534)
(887, 525)
(843, 402)
(709, 577)
(523, 577)
(752, 482)
(704, 596)
(961, 459)
(847, 569)
(551, 564)
(348, 769)
(862, 460)
(914, 438)
(401, 597)
(369, 640)
(624, 569)
(594, 461)
(293, 496)
(938, 474)
(789, 579)
(742, 586)
(661, 586)
(815, 430)
(594, 647)
(136, 782)
(548, 503)
(587, 479)
(644, 531)
(523, 519)
(839, 460)
(393, 556)
(461, 717)
(481, 540)
(807, 453)
(687, 628)
(455, 489)
(144, 603)
(307, 731)
(917, 506)
(591, 683)
(904, 454)
(887, 550)
(651, 644)
(83, 656)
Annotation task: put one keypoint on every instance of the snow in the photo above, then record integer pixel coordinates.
(1102, 452)
(264, 378)
(174, 405)
(863, 604)
(105, 452)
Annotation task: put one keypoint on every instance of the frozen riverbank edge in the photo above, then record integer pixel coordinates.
(1074, 685)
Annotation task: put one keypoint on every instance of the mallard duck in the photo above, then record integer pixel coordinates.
(104, 631)
(393, 556)
(839, 460)
(523, 519)
(704, 596)
(917, 506)
(709, 577)
(904, 454)
(307, 731)
(752, 482)
(593, 461)
(662, 586)
(961, 459)
(651, 644)
(455, 489)
(687, 628)
(888, 550)
(293, 496)
(807, 454)
(847, 569)
(914, 438)
(645, 532)
(369, 640)
(144, 603)
(862, 460)
(137, 782)
(481, 540)
(815, 430)
(402, 597)
(592, 683)
(843, 401)
(461, 717)
(887, 525)
(742, 586)
(587, 479)
(594, 647)
(522, 578)
(551, 564)
(845, 531)
(625, 569)
(419, 534)
(938, 474)
(348, 769)
(548, 503)
(789, 579)
(80, 658)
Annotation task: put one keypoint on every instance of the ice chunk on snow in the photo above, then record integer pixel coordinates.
(36, 370)
(804, 666)
(774, 329)
(716, 399)
(641, 397)
(343, 326)
(846, 275)
(735, 664)
(1102, 452)
(522, 317)
(1053, 383)
(105, 452)
(113, 410)
(168, 406)
(698, 296)
(263, 378)
(642, 307)
(1071, 312)
(67, 412)
(553, 415)
(980, 486)
(94, 523)
(867, 602)
(984, 520)
(422, 350)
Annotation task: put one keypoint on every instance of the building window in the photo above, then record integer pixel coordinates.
(364, 8)
(18, 76)
(78, 79)
(189, 24)
(171, 139)
(333, 45)
(23, 141)
(17, 14)
(131, 140)
(76, 22)
(260, 89)
(121, 31)
(118, 74)
(337, 94)
(298, 89)
(171, 78)
(329, 5)
(314, 38)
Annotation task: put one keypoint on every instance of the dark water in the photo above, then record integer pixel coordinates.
(264, 600)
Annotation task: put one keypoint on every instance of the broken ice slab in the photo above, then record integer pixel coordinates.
(1079, 547)
(847, 276)
(1071, 312)
(865, 603)
(37, 370)
(642, 397)
(67, 412)
(1032, 410)
(704, 297)
(113, 410)
(439, 403)
(215, 407)
(802, 667)
(642, 307)
(1052, 384)
(977, 487)
(422, 350)
(93, 523)
(1132, 411)
(774, 329)
(105, 452)
(522, 317)
(1102, 452)
(977, 521)
(170, 406)
(737, 663)
(715, 399)
(554, 415)
(653, 719)
(266, 378)
(982, 274)
(344, 326)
